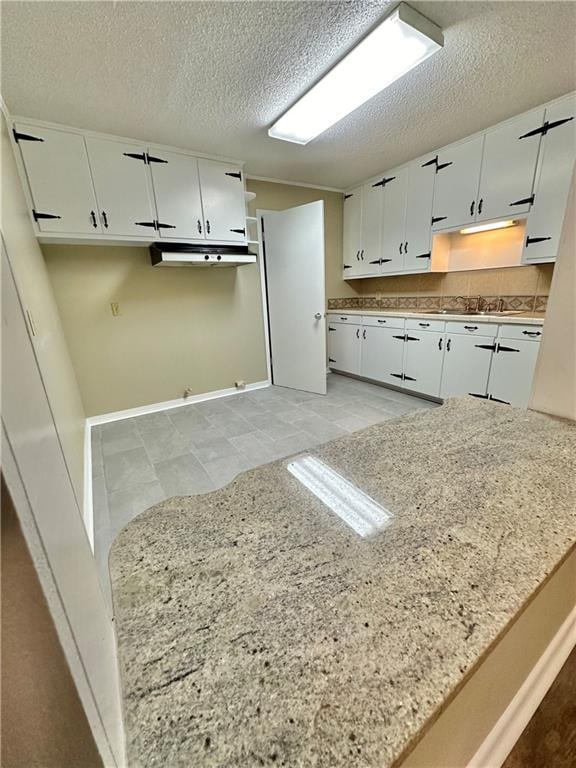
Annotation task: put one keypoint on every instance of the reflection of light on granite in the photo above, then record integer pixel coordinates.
(356, 508)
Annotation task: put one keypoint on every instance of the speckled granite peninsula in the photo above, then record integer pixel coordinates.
(256, 628)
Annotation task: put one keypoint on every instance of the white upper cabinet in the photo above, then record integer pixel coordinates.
(222, 201)
(177, 193)
(419, 197)
(393, 221)
(456, 188)
(555, 167)
(352, 233)
(371, 228)
(508, 167)
(59, 180)
(123, 189)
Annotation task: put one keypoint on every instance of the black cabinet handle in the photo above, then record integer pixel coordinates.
(440, 343)
(208, 226)
(471, 327)
(357, 255)
(364, 333)
(532, 333)
(105, 219)
(472, 204)
(362, 255)
(343, 318)
(199, 225)
(480, 204)
(93, 217)
(400, 248)
(448, 345)
(382, 321)
(406, 247)
(424, 325)
(357, 333)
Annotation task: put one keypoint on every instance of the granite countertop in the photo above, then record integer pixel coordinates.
(519, 318)
(256, 628)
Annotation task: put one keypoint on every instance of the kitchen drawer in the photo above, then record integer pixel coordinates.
(389, 321)
(524, 332)
(472, 328)
(334, 317)
(424, 324)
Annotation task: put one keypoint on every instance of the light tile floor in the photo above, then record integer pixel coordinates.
(201, 447)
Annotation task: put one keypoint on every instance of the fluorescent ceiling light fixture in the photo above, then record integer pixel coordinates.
(488, 227)
(356, 508)
(397, 45)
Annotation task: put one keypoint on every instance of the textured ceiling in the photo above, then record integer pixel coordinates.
(212, 76)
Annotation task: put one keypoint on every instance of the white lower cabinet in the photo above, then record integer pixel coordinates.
(452, 363)
(382, 353)
(512, 371)
(466, 365)
(344, 346)
(423, 358)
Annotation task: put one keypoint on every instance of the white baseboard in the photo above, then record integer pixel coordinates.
(105, 418)
(500, 741)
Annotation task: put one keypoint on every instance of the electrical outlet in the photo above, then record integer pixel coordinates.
(115, 307)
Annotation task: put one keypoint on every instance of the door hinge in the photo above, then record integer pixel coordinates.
(152, 159)
(424, 256)
(530, 240)
(37, 215)
(347, 197)
(434, 162)
(475, 394)
(384, 181)
(491, 347)
(438, 218)
(331, 329)
(136, 156)
(346, 266)
(151, 224)
(331, 360)
(524, 201)
(398, 375)
(497, 400)
(408, 378)
(502, 348)
(401, 338)
(234, 174)
(159, 225)
(543, 129)
(24, 136)
(437, 166)
(440, 166)
(239, 231)
(411, 338)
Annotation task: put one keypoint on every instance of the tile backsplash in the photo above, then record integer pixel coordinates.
(523, 288)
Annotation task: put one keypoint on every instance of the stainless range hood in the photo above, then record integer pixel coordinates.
(187, 255)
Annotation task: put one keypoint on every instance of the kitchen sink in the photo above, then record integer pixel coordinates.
(470, 312)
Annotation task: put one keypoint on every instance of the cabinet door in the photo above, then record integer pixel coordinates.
(371, 229)
(382, 354)
(344, 347)
(123, 187)
(352, 233)
(456, 186)
(512, 371)
(59, 179)
(508, 168)
(177, 193)
(423, 361)
(557, 156)
(223, 201)
(393, 221)
(419, 197)
(466, 365)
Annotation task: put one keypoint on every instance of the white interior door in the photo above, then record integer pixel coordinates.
(294, 253)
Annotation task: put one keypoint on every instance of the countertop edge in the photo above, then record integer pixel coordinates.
(528, 318)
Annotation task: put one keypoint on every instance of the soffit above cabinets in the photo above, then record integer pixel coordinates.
(499, 59)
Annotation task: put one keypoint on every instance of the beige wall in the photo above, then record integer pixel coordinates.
(555, 379)
(38, 298)
(176, 328)
(276, 197)
(507, 281)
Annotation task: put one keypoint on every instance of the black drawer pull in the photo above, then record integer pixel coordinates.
(532, 333)
(385, 321)
(343, 318)
(105, 219)
(471, 327)
(424, 325)
(93, 217)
